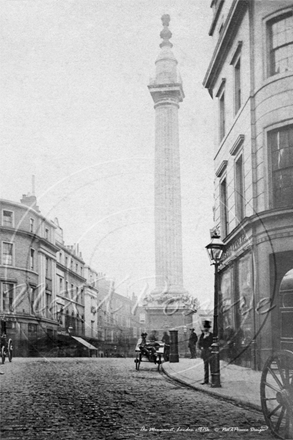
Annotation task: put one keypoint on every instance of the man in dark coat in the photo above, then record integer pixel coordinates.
(205, 343)
(192, 343)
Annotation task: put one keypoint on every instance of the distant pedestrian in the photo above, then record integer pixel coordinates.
(205, 344)
(166, 338)
(192, 343)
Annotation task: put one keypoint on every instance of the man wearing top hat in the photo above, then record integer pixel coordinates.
(205, 343)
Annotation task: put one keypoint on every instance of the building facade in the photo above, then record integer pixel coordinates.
(70, 282)
(117, 320)
(250, 80)
(49, 296)
(27, 267)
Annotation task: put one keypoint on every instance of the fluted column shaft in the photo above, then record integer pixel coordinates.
(168, 223)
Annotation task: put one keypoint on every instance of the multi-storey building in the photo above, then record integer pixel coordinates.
(92, 298)
(48, 293)
(117, 322)
(70, 282)
(27, 268)
(250, 80)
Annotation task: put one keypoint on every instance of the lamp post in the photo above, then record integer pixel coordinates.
(215, 251)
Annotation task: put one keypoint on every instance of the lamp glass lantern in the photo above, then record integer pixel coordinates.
(215, 249)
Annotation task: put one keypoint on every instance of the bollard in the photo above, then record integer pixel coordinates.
(174, 355)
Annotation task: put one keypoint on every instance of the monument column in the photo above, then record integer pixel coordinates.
(169, 306)
(167, 91)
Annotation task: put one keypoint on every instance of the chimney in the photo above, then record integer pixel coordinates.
(30, 200)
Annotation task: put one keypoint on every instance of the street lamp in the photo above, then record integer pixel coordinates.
(215, 251)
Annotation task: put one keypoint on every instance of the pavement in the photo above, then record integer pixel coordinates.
(239, 385)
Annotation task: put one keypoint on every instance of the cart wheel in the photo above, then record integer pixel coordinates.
(10, 351)
(3, 354)
(276, 392)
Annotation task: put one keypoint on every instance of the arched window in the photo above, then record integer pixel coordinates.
(286, 308)
(286, 290)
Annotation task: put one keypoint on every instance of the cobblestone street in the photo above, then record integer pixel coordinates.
(100, 398)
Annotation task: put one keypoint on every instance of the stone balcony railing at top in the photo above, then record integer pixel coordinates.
(171, 78)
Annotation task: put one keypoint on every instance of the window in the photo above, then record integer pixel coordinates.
(67, 319)
(7, 253)
(66, 291)
(48, 303)
(33, 298)
(76, 268)
(280, 145)
(71, 264)
(32, 225)
(226, 310)
(222, 122)
(32, 328)
(32, 259)
(239, 189)
(60, 285)
(244, 293)
(224, 208)
(280, 44)
(7, 291)
(7, 218)
(72, 290)
(237, 84)
(47, 234)
(48, 268)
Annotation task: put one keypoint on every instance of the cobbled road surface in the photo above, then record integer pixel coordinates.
(101, 398)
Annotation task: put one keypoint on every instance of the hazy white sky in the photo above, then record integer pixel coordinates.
(76, 113)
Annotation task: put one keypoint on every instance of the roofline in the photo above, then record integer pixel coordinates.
(225, 42)
(29, 208)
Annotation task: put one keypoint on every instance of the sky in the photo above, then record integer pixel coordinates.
(77, 114)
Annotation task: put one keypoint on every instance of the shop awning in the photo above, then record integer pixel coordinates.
(85, 343)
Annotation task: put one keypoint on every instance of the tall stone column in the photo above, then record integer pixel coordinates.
(169, 307)
(167, 91)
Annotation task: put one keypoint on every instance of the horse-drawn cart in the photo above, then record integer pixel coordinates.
(151, 351)
(276, 392)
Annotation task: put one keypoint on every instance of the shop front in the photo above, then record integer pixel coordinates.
(256, 291)
(237, 302)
